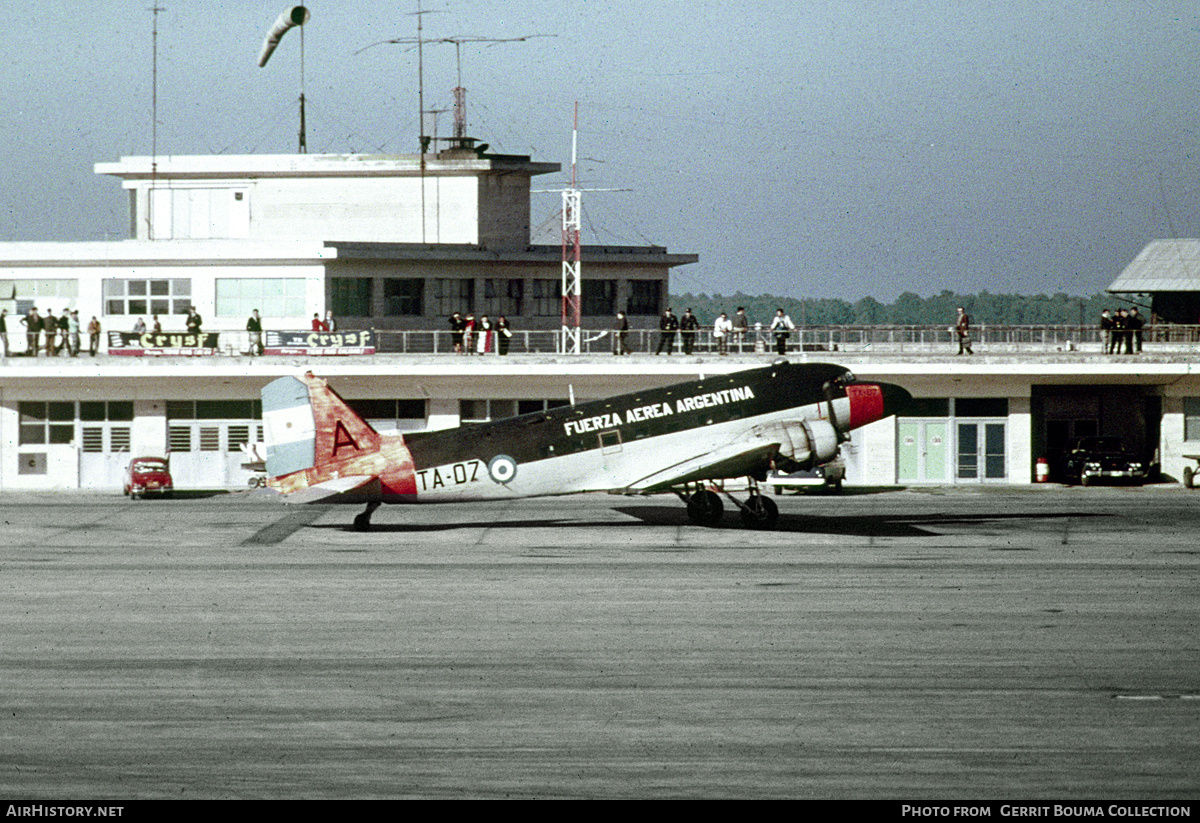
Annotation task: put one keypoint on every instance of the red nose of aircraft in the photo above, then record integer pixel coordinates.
(874, 401)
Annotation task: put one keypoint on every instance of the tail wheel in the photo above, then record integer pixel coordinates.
(704, 508)
(760, 513)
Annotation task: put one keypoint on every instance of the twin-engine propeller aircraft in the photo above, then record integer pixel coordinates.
(678, 439)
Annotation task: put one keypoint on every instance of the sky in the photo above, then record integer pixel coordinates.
(800, 148)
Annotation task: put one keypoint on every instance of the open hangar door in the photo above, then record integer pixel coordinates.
(1061, 414)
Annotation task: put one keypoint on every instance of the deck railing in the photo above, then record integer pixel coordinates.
(874, 340)
(853, 339)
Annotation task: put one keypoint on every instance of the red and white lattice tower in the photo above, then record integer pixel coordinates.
(572, 287)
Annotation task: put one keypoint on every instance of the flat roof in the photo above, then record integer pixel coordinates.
(242, 166)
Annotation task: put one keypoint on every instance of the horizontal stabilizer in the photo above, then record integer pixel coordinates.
(734, 460)
(356, 489)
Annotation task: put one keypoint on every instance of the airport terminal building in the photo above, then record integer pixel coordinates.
(392, 246)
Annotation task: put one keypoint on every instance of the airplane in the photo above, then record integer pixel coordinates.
(681, 439)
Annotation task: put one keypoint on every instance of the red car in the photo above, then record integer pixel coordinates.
(148, 475)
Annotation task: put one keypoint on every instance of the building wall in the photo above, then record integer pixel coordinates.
(503, 212)
(31, 270)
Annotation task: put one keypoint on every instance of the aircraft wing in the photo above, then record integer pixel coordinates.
(350, 489)
(733, 460)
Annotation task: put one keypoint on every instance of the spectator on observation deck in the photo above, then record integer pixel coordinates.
(722, 329)
(688, 326)
(503, 335)
(668, 324)
(254, 332)
(782, 326)
(962, 329)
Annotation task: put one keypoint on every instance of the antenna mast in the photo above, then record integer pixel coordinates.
(572, 291)
(303, 148)
(153, 125)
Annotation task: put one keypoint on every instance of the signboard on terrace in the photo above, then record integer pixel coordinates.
(317, 343)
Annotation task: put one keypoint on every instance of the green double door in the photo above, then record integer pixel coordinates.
(951, 451)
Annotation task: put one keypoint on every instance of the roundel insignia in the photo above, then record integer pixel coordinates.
(502, 468)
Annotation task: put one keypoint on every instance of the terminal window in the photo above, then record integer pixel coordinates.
(142, 297)
(599, 297)
(547, 298)
(403, 297)
(391, 415)
(502, 296)
(45, 422)
(272, 296)
(645, 297)
(453, 294)
(350, 296)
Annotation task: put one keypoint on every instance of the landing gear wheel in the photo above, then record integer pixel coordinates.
(704, 508)
(1189, 477)
(760, 513)
(362, 522)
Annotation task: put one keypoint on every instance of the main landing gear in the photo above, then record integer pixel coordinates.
(704, 507)
(362, 522)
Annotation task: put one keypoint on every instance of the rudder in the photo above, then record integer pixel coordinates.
(309, 427)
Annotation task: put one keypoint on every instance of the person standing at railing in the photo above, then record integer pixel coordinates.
(1106, 331)
(483, 330)
(73, 333)
(722, 328)
(1120, 332)
(254, 332)
(93, 336)
(668, 325)
(741, 326)
(688, 326)
(457, 326)
(33, 325)
(468, 330)
(4, 329)
(503, 335)
(782, 327)
(1135, 322)
(621, 334)
(963, 329)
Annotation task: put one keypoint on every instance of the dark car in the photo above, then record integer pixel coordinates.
(1092, 459)
(148, 475)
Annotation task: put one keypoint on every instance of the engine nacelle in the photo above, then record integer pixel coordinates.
(802, 443)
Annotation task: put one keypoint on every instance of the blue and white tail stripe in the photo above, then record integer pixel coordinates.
(290, 431)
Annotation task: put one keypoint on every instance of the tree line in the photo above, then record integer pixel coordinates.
(909, 309)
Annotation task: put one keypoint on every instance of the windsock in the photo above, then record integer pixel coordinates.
(295, 16)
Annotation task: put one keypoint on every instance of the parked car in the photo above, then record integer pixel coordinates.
(1092, 459)
(148, 475)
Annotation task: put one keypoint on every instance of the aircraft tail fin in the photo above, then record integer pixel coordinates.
(311, 434)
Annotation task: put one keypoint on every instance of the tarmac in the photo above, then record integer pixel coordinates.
(1005, 643)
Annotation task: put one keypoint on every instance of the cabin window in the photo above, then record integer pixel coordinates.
(610, 441)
